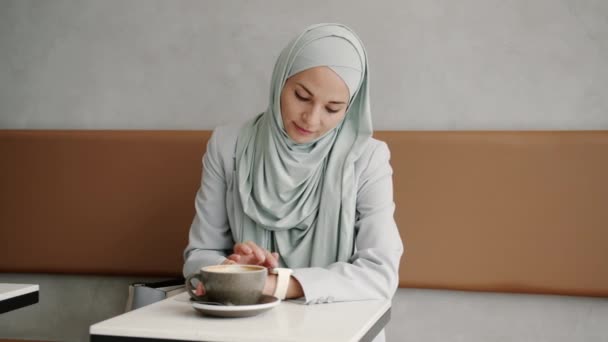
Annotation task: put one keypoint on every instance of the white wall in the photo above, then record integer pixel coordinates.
(469, 64)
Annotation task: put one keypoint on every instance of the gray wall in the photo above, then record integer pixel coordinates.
(68, 305)
(135, 64)
(469, 64)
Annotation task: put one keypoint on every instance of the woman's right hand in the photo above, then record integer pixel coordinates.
(248, 253)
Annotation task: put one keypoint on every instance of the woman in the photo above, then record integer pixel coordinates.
(304, 185)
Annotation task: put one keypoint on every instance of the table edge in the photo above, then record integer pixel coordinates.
(19, 302)
(27, 288)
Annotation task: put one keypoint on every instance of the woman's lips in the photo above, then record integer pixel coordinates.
(302, 130)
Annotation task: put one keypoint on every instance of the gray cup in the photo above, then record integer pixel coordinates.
(230, 284)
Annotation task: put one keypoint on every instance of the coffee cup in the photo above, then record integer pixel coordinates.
(229, 284)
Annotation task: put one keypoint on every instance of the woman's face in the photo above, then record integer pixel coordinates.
(313, 102)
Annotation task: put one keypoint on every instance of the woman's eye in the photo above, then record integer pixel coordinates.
(301, 97)
(332, 110)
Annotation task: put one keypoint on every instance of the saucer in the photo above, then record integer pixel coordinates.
(265, 303)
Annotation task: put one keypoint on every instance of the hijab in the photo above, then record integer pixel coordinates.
(299, 199)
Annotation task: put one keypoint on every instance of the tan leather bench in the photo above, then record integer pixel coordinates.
(485, 211)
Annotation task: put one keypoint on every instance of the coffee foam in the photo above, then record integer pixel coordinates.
(232, 268)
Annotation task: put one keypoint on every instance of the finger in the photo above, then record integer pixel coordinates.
(243, 259)
(257, 251)
(271, 261)
(242, 248)
(275, 255)
(234, 258)
(200, 289)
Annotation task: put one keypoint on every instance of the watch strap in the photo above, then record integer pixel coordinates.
(283, 277)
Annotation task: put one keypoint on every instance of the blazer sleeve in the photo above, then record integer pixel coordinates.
(210, 239)
(373, 270)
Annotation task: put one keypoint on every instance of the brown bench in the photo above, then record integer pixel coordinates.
(483, 211)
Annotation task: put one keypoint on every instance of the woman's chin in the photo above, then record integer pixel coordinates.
(299, 139)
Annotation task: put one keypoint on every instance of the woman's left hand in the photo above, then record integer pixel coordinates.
(248, 253)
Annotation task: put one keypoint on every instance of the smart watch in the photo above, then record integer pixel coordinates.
(283, 277)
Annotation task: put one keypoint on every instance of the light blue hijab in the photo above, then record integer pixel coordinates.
(300, 199)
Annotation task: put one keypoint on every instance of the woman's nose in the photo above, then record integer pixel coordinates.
(313, 116)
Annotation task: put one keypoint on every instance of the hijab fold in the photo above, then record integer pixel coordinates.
(299, 199)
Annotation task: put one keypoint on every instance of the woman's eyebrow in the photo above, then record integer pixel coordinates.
(311, 94)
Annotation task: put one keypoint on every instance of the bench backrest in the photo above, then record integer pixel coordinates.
(492, 211)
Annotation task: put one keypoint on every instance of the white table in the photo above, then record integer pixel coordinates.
(174, 319)
(15, 296)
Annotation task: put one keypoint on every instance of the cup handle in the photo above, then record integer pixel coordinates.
(191, 288)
